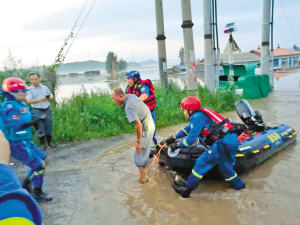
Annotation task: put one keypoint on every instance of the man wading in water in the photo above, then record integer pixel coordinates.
(138, 113)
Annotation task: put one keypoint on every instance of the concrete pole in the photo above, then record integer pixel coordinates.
(231, 70)
(161, 45)
(190, 61)
(265, 45)
(208, 51)
(272, 51)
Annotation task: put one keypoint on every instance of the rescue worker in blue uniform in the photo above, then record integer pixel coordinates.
(17, 207)
(15, 122)
(143, 89)
(213, 130)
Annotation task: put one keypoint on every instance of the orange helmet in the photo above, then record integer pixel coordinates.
(191, 102)
(14, 84)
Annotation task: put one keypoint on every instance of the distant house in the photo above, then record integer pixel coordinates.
(283, 57)
(179, 68)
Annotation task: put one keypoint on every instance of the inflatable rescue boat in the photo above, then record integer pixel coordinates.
(257, 144)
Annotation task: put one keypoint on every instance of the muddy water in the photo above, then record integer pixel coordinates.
(113, 195)
(96, 182)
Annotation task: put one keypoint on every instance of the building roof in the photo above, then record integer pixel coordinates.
(181, 67)
(238, 57)
(278, 52)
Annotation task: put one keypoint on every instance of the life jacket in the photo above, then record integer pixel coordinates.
(247, 134)
(219, 128)
(10, 122)
(150, 101)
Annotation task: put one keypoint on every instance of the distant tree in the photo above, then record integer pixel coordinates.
(111, 59)
(296, 48)
(122, 65)
(181, 56)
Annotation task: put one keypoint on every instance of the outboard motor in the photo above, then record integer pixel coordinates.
(251, 118)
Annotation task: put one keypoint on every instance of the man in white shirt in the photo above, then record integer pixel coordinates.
(38, 96)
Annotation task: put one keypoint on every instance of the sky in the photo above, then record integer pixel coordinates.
(35, 30)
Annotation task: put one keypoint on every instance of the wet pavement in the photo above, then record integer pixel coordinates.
(96, 182)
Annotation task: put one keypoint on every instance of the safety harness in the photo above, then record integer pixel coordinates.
(218, 129)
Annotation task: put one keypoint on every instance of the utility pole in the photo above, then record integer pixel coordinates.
(161, 45)
(265, 45)
(216, 49)
(272, 51)
(190, 61)
(208, 50)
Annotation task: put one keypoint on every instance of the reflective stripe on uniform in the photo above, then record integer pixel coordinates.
(36, 173)
(184, 142)
(196, 174)
(16, 221)
(231, 178)
(185, 132)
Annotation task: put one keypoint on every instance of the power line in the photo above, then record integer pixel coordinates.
(60, 54)
(80, 27)
(289, 23)
(71, 34)
(281, 36)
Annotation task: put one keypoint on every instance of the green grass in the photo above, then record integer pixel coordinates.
(91, 116)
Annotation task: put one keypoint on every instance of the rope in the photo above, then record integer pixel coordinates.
(80, 27)
(156, 157)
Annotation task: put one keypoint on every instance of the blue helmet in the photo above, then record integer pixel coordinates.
(133, 74)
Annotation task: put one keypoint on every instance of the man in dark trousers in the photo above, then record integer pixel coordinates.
(38, 96)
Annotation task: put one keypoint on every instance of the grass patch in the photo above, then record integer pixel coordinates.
(92, 116)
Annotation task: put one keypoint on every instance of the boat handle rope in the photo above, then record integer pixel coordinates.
(156, 157)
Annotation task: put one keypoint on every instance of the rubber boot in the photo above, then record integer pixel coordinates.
(50, 142)
(26, 184)
(40, 196)
(182, 189)
(42, 142)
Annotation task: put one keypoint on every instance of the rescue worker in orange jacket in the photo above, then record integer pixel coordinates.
(143, 89)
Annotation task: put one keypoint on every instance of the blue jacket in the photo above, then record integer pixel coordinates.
(198, 121)
(16, 204)
(13, 114)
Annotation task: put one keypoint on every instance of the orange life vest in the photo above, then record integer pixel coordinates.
(136, 90)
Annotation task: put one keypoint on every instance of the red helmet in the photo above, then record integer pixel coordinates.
(191, 102)
(13, 84)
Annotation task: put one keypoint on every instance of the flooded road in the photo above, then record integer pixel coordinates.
(96, 182)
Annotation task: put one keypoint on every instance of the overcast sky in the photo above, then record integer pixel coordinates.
(34, 30)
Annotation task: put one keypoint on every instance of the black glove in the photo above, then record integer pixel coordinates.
(31, 123)
(170, 139)
(174, 146)
(158, 147)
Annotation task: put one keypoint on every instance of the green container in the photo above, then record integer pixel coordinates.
(252, 86)
(239, 70)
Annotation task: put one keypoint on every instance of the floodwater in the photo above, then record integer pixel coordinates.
(98, 183)
(69, 84)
